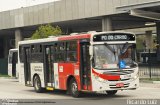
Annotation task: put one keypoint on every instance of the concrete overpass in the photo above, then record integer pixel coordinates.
(77, 16)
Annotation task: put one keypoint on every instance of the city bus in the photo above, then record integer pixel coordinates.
(92, 62)
(13, 63)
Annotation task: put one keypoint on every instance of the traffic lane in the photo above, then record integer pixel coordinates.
(11, 88)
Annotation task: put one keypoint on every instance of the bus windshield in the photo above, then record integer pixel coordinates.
(109, 56)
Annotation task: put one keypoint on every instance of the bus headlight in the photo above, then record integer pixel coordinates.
(135, 77)
(99, 79)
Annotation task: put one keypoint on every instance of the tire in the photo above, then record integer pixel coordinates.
(73, 88)
(37, 85)
(112, 92)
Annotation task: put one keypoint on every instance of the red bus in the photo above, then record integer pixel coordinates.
(99, 61)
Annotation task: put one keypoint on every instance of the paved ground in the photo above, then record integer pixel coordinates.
(12, 89)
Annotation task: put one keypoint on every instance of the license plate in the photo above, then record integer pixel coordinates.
(120, 85)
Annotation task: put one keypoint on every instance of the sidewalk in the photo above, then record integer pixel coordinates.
(8, 77)
(152, 84)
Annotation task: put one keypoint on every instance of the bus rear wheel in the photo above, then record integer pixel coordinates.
(74, 88)
(37, 85)
(112, 92)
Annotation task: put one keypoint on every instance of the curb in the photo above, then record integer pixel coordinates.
(156, 82)
(8, 78)
(153, 82)
(145, 81)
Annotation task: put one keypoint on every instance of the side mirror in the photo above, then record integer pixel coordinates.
(134, 45)
(91, 50)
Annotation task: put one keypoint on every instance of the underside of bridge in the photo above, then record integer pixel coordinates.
(118, 22)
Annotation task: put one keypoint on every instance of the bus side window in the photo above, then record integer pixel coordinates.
(21, 54)
(10, 57)
(36, 53)
(32, 49)
(71, 51)
(14, 57)
(60, 52)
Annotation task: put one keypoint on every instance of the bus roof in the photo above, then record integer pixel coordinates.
(58, 38)
(68, 37)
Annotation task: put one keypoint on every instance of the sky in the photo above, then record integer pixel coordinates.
(13, 4)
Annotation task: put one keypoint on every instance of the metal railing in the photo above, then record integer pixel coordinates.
(149, 66)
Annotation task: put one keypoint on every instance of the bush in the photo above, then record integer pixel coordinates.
(44, 31)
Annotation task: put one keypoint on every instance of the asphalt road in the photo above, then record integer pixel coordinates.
(12, 89)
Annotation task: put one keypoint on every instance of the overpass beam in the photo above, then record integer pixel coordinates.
(106, 24)
(18, 37)
(145, 14)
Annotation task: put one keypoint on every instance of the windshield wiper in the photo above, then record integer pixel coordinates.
(125, 47)
(110, 48)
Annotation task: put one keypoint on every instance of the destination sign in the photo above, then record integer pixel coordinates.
(114, 37)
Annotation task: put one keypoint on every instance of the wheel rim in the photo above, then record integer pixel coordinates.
(74, 87)
(37, 84)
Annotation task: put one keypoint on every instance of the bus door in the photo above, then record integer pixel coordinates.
(27, 70)
(85, 66)
(48, 66)
(14, 62)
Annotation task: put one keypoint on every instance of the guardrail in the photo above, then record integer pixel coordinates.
(149, 66)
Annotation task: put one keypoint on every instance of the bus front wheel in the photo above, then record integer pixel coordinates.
(112, 92)
(74, 88)
(37, 85)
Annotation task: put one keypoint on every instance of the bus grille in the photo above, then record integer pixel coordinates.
(120, 80)
(119, 72)
(114, 86)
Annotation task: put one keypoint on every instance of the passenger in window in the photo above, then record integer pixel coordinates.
(71, 57)
(55, 47)
(72, 46)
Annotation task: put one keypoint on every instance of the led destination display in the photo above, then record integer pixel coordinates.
(114, 37)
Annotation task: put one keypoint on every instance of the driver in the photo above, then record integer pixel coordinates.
(127, 56)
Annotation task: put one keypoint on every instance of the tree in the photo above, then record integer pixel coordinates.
(44, 31)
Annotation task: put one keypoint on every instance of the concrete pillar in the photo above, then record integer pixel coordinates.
(158, 40)
(149, 40)
(158, 32)
(106, 24)
(18, 37)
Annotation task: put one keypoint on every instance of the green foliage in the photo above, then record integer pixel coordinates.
(46, 30)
